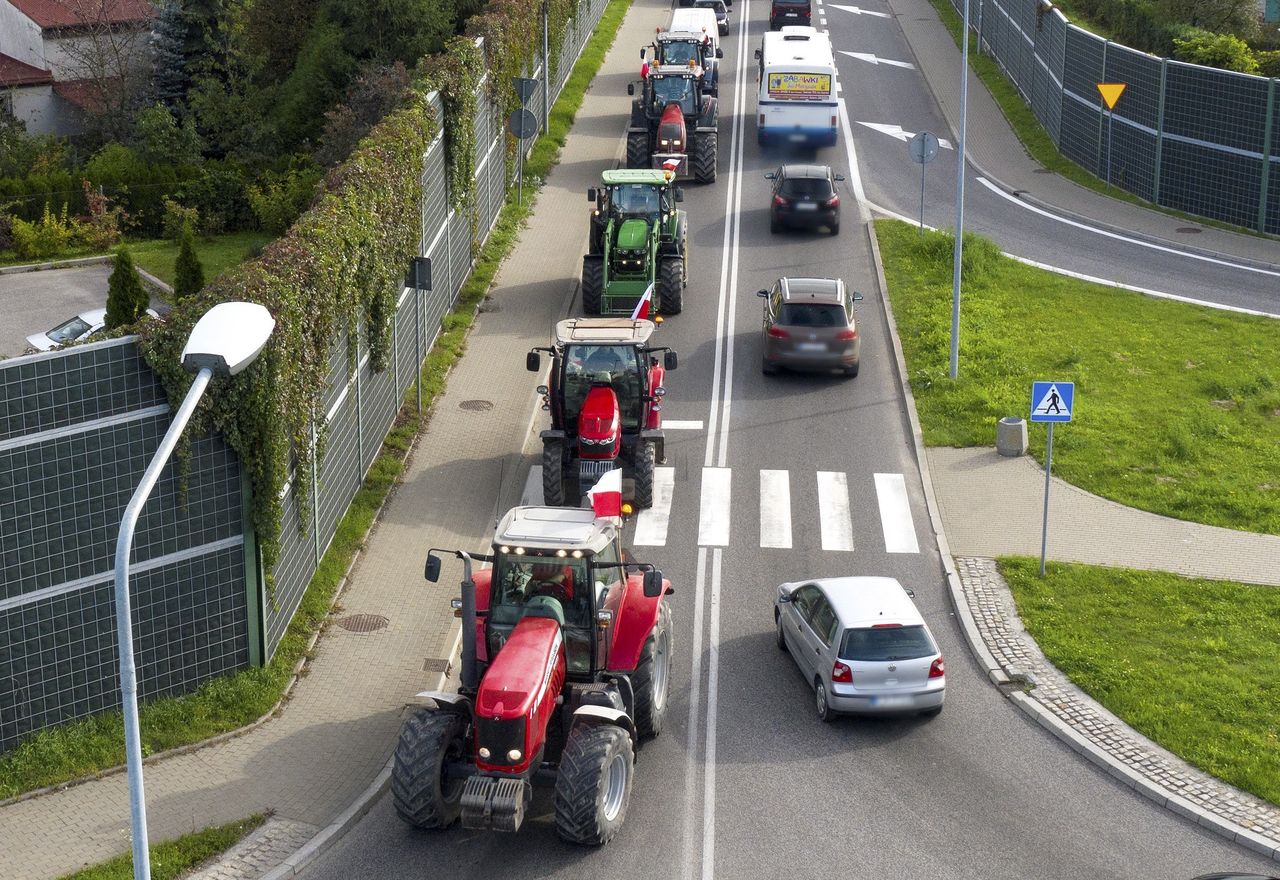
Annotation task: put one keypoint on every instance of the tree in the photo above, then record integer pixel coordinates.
(392, 30)
(1215, 50)
(188, 274)
(160, 140)
(127, 299)
(373, 94)
(169, 78)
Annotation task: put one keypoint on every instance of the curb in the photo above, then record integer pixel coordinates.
(995, 672)
(55, 264)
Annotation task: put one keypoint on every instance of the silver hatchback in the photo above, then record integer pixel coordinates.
(862, 646)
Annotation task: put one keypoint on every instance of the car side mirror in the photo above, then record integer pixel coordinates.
(669, 360)
(591, 194)
(642, 54)
(763, 293)
(785, 600)
(432, 572)
(631, 88)
(533, 362)
(857, 297)
(679, 194)
(652, 584)
(719, 53)
(771, 176)
(839, 177)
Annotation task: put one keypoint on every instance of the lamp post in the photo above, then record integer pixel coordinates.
(959, 245)
(224, 341)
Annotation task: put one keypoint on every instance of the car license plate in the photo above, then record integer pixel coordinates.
(811, 346)
(806, 206)
(890, 702)
(797, 137)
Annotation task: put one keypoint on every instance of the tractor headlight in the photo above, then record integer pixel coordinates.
(514, 755)
(484, 753)
(666, 143)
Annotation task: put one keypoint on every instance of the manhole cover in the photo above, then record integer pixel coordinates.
(363, 623)
(1189, 230)
(476, 405)
(433, 664)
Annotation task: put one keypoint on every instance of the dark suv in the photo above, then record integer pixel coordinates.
(785, 12)
(804, 195)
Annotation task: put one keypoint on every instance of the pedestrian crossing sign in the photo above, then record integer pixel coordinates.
(1052, 401)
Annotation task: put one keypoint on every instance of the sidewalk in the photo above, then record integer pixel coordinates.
(339, 726)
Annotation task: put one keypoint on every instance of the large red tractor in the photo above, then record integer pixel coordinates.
(605, 398)
(566, 665)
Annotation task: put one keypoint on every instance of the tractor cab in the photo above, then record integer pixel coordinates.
(649, 201)
(680, 48)
(675, 85)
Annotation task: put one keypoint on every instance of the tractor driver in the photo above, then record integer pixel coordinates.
(637, 198)
(674, 90)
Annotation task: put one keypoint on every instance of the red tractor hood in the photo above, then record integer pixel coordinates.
(526, 676)
(671, 128)
(600, 419)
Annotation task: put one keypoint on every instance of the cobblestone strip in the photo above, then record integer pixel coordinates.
(993, 609)
(258, 853)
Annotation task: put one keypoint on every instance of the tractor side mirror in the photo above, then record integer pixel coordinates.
(679, 194)
(839, 177)
(771, 176)
(432, 572)
(652, 584)
(757, 54)
(642, 54)
(763, 293)
(719, 53)
(631, 88)
(533, 362)
(857, 297)
(591, 194)
(669, 360)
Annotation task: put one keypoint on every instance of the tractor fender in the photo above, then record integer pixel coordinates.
(635, 618)
(604, 715)
(710, 117)
(639, 119)
(448, 702)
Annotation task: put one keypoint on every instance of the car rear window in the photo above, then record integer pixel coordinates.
(812, 315)
(884, 643)
(814, 187)
(804, 3)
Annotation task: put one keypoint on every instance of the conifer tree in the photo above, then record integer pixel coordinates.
(127, 299)
(188, 273)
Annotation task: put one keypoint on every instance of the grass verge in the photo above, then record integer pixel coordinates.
(1177, 406)
(57, 755)
(1188, 662)
(217, 253)
(174, 858)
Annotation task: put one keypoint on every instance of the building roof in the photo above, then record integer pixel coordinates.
(84, 93)
(18, 73)
(69, 13)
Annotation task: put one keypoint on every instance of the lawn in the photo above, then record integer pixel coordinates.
(216, 253)
(174, 858)
(1190, 663)
(1177, 407)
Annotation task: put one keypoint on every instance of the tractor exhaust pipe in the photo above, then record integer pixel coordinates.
(469, 677)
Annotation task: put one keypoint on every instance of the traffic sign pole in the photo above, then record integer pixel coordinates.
(1050, 402)
(1048, 468)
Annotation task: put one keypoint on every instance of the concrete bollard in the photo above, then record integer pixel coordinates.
(1011, 436)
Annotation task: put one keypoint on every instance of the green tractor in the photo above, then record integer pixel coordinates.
(638, 238)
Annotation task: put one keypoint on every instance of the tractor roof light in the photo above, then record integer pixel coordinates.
(519, 551)
(504, 549)
(562, 553)
(577, 554)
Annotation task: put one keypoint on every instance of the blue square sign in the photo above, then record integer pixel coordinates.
(1052, 401)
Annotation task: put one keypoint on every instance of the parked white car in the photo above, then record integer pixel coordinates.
(82, 326)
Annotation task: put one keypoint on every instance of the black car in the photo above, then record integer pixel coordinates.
(804, 196)
(786, 12)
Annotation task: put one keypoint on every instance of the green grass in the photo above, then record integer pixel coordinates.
(216, 253)
(1177, 407)
(1189, 663)
(175, 857)
(56, 755)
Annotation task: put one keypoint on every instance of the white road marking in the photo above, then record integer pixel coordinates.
(895, 514)
(897, 131)
(713, 508)
(691, 749)
(856, 11)
(872, 58)
(833, 511)
(822, 20)
(682, 424)
(713, 688)
(651, 524)
(775, 509)
(851, 153)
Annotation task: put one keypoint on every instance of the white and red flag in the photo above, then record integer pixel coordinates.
(606, 494)
(642, 307)
(671, 163)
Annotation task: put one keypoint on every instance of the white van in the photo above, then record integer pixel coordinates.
(797, 93)
(698, 21)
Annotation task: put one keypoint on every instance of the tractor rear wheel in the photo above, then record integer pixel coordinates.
(592, 283)
(552, 474)
(593, 786)
(671, 285)
(652, 679)
(703, 160)
(637, 149)
(646, 460)
(424, 795)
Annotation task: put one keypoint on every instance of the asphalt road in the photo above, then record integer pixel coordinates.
(745, 781)
(34, 301)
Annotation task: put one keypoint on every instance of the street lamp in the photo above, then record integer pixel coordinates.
(224, 341)
(957, 255)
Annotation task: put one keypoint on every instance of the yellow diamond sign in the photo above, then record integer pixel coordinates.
(1111, 93)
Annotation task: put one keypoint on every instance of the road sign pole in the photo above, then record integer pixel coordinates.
(1048, 467)
(922, 199)
(959, 244)
(520, 172)
(1111, 115)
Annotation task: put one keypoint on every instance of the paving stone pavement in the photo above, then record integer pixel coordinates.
(269, 845)
(1189, 791)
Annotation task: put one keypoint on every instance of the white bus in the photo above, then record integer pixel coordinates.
(797, 88)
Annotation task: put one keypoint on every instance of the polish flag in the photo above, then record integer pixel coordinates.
(642, 307)
(671, 164)
(606, 494)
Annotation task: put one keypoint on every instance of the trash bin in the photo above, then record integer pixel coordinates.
(1011, 436)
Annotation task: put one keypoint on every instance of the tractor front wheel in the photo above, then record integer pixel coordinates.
(592, 283)
(593, 786)
(652, 679)
(424, 794)
(671, 285)
(552, 474)
(646, 460)
(703, 160)
(637, 149)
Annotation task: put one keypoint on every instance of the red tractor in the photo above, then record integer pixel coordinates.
(566, 666)
(605, 399)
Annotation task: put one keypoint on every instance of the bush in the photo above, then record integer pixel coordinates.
(160, 140)
(139, 187)
(220, 196)
(100, 228)
(48, 237)
(127, 299)
(283, 197)
(178, 219)
(1223, 51)
(188, 273)
(1268, 62)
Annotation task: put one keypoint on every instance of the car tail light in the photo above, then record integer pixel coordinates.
(834, 120)
(884, 625)
(833, 202)
(841, 673)
(937, 669)
(778, 333)
(780, 201)
(807, 13)
(848, 335)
